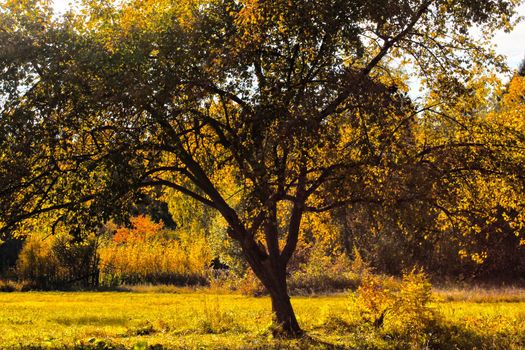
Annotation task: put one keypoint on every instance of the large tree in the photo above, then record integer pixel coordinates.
(262, 110)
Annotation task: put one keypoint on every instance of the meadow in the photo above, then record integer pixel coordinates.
(172, 318)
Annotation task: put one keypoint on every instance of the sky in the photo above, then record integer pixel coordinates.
(511, 45)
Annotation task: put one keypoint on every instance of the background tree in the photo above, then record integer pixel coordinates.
(521, 69)
(293, 102)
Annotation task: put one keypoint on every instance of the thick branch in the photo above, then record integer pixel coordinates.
(182, 189)
(295, 218)
(200, 178)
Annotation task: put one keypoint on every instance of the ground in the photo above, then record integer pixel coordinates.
(201, 319)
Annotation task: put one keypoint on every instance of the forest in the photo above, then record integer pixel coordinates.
(326, 174)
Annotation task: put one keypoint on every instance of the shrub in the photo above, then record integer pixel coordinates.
(412, 311)
(38, 264)
(373, 300)
(78, 258)
(214, 320)
(323, 270)
(58, 262)
(7, 286)
(323, 274)
(402, 307)
(143, 229)
(15, 286)
(320, 263)
(156, 262)
(251, 285)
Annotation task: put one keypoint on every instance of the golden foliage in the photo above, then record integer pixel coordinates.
(143, 254)
(400, 307)
(61, 261)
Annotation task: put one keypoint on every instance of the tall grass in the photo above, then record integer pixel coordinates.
(159, 261)
(147, 253)
(478, 294)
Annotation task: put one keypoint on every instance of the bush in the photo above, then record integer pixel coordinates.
(38, 264)
(155, 262)
(319, 269)
(58, 262)
(323, 274)
(373, 300)
(401, 308)
(320, 263)
(7, 286)
(214, 320)
(251, 285)
(412, 312)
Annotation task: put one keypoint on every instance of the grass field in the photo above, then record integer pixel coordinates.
(189, 320)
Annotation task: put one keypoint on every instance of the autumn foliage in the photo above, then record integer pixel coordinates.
(269, 113)
(142, 229)
(145, 252)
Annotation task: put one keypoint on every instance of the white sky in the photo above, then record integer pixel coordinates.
(512, 45)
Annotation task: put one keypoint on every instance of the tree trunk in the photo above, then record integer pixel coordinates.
(285, 322)
(271, 271)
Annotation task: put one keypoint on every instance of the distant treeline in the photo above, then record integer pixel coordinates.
(334, 252)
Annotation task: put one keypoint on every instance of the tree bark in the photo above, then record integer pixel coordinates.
(270, 267)
(285, 322)
(272, 273)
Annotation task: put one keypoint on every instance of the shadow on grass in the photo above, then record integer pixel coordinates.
(91, 320)
(454, 336)
(312, 342)
(437, 336)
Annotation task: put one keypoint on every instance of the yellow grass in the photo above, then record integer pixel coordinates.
(196, 319)
(481, 295)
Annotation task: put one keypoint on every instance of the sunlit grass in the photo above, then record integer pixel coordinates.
(197, 319)
(481, 295)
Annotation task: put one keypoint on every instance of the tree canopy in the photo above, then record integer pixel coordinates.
(261, 110)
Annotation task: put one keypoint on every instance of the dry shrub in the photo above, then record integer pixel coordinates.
(213, 319)
(7, 286)
(323, 272)
(251, 285)
(402, 308)
(15, 286)
(58, 262)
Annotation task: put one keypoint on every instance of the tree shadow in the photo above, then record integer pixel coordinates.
(317, 343)
(91, 320)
